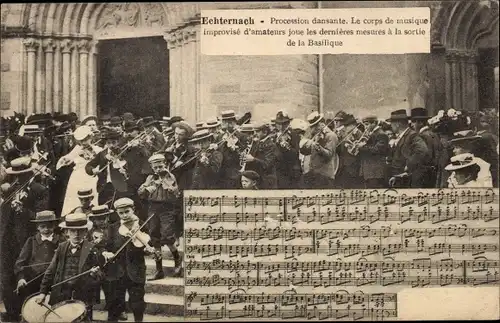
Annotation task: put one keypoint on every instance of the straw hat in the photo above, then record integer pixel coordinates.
(76, 221)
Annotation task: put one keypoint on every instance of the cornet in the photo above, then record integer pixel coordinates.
(243, 155)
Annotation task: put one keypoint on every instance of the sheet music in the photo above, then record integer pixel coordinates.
(336, 255)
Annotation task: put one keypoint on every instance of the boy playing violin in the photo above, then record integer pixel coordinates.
(127, 270)
(162, 193)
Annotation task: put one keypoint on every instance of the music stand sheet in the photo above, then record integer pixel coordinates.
(333, 255)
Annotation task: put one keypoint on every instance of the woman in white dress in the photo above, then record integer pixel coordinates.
(81, 154)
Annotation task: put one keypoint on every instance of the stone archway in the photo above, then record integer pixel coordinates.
(59, 52)
(462, 25)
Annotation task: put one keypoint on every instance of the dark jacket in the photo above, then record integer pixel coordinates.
(288, 168)
(85, 285)
(35, 256)
(129, 262)
(117, 179)
(266, 154)
(207, 176)
(411, 152)
(373, 155)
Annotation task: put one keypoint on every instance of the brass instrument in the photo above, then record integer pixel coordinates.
(243, 155)
(354, 148)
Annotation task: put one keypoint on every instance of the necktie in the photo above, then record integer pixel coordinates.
(45, 238)
(75, 248)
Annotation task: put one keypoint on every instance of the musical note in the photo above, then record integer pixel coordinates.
(316, 255)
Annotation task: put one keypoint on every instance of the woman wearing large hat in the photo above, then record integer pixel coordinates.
(83, 152)
(466, 172)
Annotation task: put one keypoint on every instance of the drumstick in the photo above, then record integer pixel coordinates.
(32, 280)
(51, 310)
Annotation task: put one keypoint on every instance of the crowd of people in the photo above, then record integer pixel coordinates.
(111, 188)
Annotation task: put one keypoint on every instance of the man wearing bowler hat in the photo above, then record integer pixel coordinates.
(419, 117)
(408, 153)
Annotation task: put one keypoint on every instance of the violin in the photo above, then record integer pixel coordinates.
(140, 239)
(87, 153)
(117, 163)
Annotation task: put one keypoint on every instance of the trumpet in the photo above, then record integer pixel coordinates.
(243, 155)
(354, 146)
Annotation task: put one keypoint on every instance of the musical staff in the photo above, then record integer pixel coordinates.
(319, 255)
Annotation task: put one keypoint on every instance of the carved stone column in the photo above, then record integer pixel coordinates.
(31, 46)
(461, 80)
(83, 50)
(49, 46)
(184, 54)
(92, 79)
(66, 46)
(40, 81)
(452, 80)
(57, 93)
(75, 71)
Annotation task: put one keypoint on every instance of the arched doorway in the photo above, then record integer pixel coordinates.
(133, 76)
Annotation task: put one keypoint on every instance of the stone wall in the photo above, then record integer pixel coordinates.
(11, 75)
(259, 84)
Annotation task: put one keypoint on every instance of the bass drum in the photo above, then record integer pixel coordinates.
(33, 312)
(67, 312)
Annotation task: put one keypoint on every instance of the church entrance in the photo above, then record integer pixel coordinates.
(133, 76)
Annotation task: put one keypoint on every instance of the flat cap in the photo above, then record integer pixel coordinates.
(123, 202)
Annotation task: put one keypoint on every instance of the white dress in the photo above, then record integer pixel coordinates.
(78, 179)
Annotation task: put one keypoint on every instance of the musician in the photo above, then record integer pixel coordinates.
(36, 255)
(408, 153)
(419, 117)
(262, 157)
(207, 165)
(115, 123)
(154, 137)
(23, 146)
(486, 146)
(179, 153)
(199, 126)
(110, 169)
(372, 153)
(129, 267)
(349, 164)
(288, 168)
(91, 122)
(321, 146)
(76, 161)
(87, 200)
(71, 258)
(164, 200)
(234, 141)
(168, 135)
(250, 180)
(43, 152)
(63, 140)
(214, 127)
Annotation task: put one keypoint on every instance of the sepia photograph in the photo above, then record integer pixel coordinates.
(169, 161)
